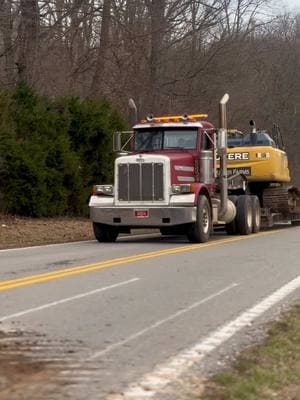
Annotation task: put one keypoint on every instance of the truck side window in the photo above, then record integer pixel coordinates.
(206, 142)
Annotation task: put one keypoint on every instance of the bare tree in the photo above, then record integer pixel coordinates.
(28, 39)
(6, 28)
(103, 49)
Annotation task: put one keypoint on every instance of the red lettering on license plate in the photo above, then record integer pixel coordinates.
(141, 213)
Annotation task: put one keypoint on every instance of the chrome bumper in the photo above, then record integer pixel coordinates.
(158, 216)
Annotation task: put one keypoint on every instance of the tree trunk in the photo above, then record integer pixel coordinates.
(157, 20)
(98, 80)
(28, 40)
(6, 28)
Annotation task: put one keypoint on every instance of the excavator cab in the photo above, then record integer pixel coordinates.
(260, 158)
(258, 155)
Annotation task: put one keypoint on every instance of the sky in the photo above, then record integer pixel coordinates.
(283, 6)
(292, 4)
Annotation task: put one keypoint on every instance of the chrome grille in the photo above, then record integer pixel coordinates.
(141, 182)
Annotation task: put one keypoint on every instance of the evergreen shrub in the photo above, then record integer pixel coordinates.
(53, 151)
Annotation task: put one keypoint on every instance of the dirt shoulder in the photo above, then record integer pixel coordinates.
(20, 232)
(24, 377)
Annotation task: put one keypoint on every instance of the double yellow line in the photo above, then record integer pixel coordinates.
(62, 273)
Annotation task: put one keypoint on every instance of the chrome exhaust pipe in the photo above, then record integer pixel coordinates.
(222, 150)
(253, 135)
(133, 113)
(223, 111)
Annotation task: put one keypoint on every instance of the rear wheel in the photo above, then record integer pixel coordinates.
(244, 215)
(104, 233)
(199, 231)
(256, 214)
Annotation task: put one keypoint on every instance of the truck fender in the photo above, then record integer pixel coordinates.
(201, 189)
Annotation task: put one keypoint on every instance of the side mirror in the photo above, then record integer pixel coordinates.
(120, 142)
(222, 139)
(117, 142)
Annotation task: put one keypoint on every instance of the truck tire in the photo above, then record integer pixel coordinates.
(199, 231)
(244, 215)
(231, 228)
(256, 214)
(104, 233)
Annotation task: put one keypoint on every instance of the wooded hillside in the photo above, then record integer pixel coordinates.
(169, 55)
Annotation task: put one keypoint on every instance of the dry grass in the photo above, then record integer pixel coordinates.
(19, 232)
(270, 370)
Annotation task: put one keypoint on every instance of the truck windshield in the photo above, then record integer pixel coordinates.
(165, 138)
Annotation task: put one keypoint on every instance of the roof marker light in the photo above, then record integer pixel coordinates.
(174, 118)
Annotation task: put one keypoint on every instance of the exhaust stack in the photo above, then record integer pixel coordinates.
(133, 113)
(227, 208)
(253, 132)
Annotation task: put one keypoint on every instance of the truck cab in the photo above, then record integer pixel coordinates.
(157, 184)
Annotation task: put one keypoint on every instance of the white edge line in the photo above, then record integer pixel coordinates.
(154, 382)
(44, 245)
(77, 242)
(159, 323)
(66, 300)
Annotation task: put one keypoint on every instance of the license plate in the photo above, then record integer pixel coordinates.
(141, 213)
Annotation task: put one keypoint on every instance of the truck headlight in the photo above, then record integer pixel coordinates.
(183, 188)
(100, 190)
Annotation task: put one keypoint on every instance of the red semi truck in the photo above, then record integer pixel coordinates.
(169, 180)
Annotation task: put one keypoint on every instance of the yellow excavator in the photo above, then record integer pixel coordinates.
(261, 159)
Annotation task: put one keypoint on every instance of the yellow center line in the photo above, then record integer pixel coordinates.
(48, 276)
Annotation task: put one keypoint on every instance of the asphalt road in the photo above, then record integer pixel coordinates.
(131, 316)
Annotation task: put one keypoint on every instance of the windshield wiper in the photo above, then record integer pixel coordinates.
(175, 148)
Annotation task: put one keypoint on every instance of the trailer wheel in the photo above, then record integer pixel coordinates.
(231, 228)
(104, 233)
(256, 214)
(199, 231)
(244, 215)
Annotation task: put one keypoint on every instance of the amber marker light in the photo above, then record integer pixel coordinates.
(174, 118)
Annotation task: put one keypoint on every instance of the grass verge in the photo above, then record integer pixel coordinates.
(270, 370)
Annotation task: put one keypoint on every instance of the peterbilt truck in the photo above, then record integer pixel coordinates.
(169, 180)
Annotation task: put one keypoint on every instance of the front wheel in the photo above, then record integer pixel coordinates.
(104, 233)
(199, 231)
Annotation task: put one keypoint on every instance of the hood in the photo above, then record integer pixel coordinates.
(182, 167)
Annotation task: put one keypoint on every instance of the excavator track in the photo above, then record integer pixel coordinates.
(281, 199)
